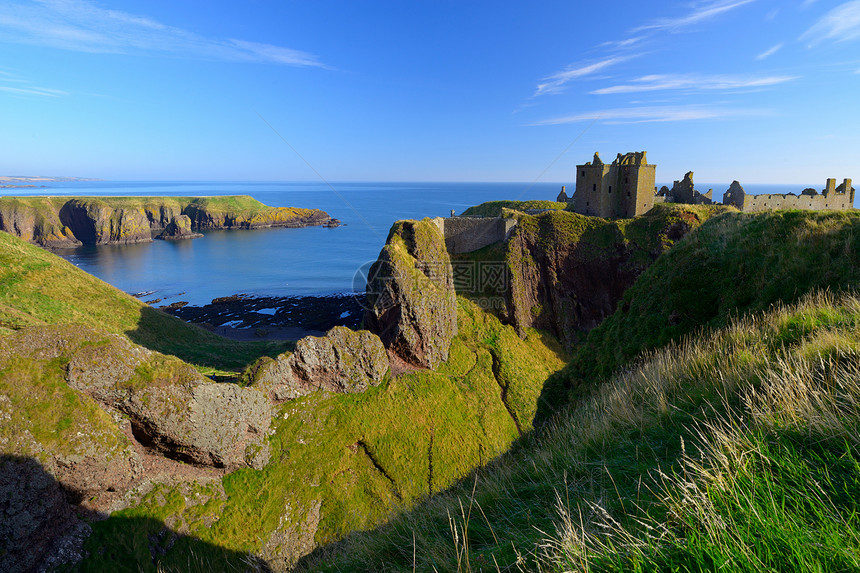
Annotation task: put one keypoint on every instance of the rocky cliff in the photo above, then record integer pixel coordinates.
(566, 272)
(61, 222)
(412, 305)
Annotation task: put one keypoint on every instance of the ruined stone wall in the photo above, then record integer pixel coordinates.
(834, 202)
(467, 234)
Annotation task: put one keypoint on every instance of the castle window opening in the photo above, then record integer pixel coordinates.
(594, 187)
(610, 188)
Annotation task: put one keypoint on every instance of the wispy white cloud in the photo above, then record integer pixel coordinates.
(769, 52)
(841, 24)
(556, 82)
(33, 90)
(653, 114)
(626, 43)
(701, 12)
(23, 87)
(81, 25)
(620, 49)
(660, 82)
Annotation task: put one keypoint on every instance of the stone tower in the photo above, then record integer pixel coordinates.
(624, 188)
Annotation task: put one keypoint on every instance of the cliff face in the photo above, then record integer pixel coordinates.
(412, 305)
(567, 272)
(71, 222)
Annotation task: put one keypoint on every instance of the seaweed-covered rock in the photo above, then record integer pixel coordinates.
(341, 361)
(410, 294)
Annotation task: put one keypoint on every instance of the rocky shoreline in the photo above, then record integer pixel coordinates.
(249, 317)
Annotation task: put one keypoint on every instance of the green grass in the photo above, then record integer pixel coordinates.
(733, 264)
(679, 449)
(357, 457)
(38, 288)
(737, 450)
(46, 416)
(494, 208)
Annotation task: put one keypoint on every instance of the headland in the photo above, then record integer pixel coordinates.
(68, 222)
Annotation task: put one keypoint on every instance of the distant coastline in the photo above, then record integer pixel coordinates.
(8, 181)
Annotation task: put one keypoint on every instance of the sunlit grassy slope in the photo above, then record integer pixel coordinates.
(37, 287)
(734, 449)
(494, 208)
(343, 463)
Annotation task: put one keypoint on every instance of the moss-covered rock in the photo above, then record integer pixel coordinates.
(410, 293)
(567, 272)
(341, 361)
(79, 387)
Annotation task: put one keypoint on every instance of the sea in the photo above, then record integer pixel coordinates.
(311, 261)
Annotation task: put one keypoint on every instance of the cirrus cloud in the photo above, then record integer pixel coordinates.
(659, 82)
(80, 25)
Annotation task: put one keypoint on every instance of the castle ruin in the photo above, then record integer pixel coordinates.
(832, 198)
(625, 188)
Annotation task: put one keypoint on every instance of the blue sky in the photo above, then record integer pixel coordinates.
(755, 90)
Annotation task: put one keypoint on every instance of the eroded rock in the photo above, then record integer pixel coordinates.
(410, 294)
(343, 361)
(172, 409)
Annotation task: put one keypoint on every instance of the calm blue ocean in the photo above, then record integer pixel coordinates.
(284, 262)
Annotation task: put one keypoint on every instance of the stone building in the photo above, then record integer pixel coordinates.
(624, 188)
(684, 192)
(832, 198)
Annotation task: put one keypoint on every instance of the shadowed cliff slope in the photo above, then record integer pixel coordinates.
(566, 272)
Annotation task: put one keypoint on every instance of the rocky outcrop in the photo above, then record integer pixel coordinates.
(341, 361)
(567, 272)
(57, 222)
(95, 222)
(171, 409)
(206, 215)
(87, 416)
(412, 305)
(178, 228)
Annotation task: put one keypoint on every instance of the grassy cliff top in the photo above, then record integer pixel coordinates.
(38, 288)
(494, 208)
(239, 204)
